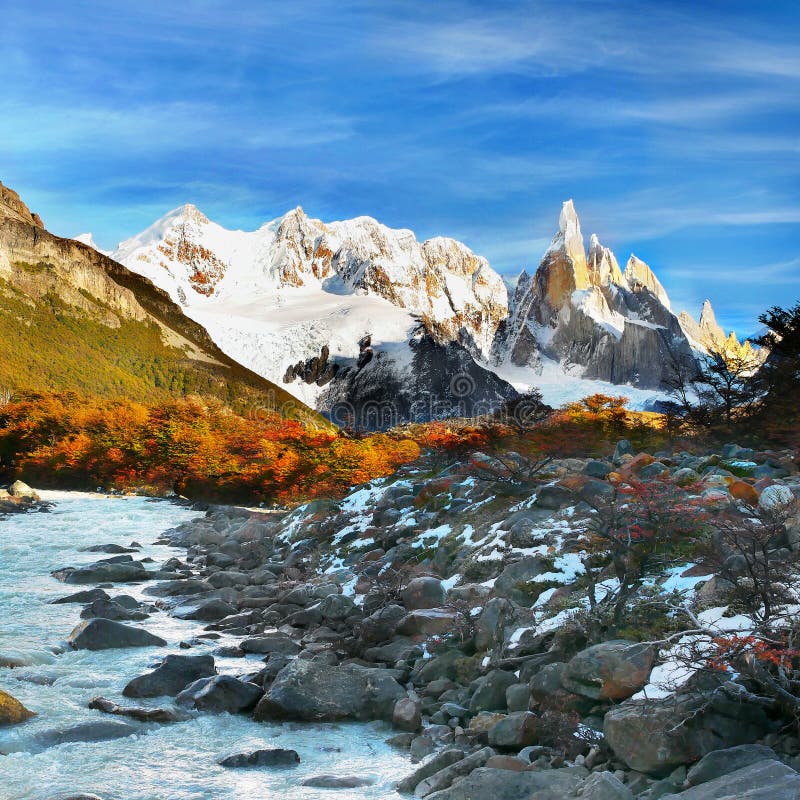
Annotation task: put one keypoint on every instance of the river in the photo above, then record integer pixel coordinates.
(161, 762)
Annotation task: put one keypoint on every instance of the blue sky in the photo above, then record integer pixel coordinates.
(674, 126)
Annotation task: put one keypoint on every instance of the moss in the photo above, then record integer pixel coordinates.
(36, 269)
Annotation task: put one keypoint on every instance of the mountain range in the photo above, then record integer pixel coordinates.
(359, 320)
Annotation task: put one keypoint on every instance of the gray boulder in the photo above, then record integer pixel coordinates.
(490, 691)
(206, 611)
(511, 580)
(220, 694)
(613, 670)
(485, 783)
(306, 690)
(173, 675)
(764, 780)
(338, 781)
(86, 732)
(105, 634)
(275, 757)
(655, 736)
(272, 643)
(722, 762)
(516, 731)
(128, 572)
(110, 609)
(605, 786)
(423, 592)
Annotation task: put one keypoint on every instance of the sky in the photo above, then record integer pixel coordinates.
(674, 126)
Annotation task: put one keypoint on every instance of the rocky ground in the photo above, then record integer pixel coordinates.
(452, 601)
(19, 498)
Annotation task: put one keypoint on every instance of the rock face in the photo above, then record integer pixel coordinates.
(104, 634)
(304, 690)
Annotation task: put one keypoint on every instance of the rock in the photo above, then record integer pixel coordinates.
(508, 762)
(605, 786)
(130, 572)
(381, 625)
(518, 697)
(439, 762)
(12, 712)
(445, 777)
(613, 670)
(516, 731)
(306, 690)
(337, 781)
(489, 629)
(86, 732)
(111, 549)
(273, 643)
(173, 675)
(597, 469)
(423, 592)
(502, 784)
(490, 691)
(141, 714)
(655, 736)
(71, 796)
(220, 694)
(426, 622)
(776, 498)
(511, 580)
(85, 596)
(763, 780)
(337, 607)
(554, 497)
(276, 757)
(104, 634)
(685, 476)
(206, 611)
(109, 609)
(400, 649)
(718, 763)
(407, 714)
(623, 448)
(20, 489)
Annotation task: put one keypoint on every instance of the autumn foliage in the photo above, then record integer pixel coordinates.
(196, 447)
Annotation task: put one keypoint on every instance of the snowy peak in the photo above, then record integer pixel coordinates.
(639, 276)
(709, 336)
(88, 240)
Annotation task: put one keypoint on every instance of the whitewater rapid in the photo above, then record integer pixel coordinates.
(161, 762)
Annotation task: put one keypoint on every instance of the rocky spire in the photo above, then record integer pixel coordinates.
(602, 264)
(710, 329)
(563, 268)
(639, 276)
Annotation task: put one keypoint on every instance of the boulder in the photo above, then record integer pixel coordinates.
(105, 634)
(338, 781)
(110, 609)
(307, 690)
(554, 497)
(512, 579)
(718, 763)
(613, 670)
(275, 757)
(86, 732)
(427, 622)
(515, 731)
(211, 610)
(491, 623)
(337, 607)
(490, 691)
(12, 711)
(173, 675)
(605, 786)
(776, 498)
(20, 489)
(139, 713)
(655, 736)
(503, 784)
(84, 596)
(127, 572)
(381, 625)
(440, 761)
(423, 592)
(763, 780)
(220, 694)
(407, 714)
(272, 643)
(444, 778)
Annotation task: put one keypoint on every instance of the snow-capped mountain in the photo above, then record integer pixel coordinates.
(354, 313)
(88, 239)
